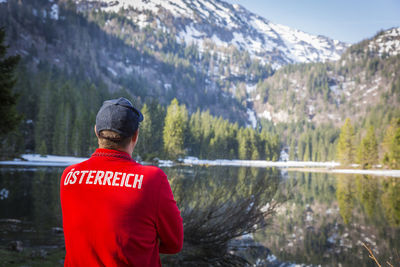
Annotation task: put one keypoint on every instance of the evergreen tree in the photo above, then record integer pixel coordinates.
(144, 145)
(158, 117)
(368, 150)
(345, 147)
(391, 144)
(44, 127)
(395, 150)
(307, 152)
(8, 114)
(195, 133)
(174, 130)
(292, 150)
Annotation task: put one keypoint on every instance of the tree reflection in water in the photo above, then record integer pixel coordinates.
(328, 216)
(217, 205)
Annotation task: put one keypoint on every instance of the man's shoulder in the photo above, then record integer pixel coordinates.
(75, 166)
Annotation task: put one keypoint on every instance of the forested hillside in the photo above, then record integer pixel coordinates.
(310, 102)
(364, 81)
(148, 63)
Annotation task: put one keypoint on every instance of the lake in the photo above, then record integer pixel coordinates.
(232, 215)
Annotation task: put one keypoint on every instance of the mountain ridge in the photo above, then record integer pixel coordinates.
(225, 24)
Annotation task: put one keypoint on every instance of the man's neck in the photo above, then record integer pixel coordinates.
(126, 150)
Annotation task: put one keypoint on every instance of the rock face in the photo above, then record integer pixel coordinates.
(225, 24)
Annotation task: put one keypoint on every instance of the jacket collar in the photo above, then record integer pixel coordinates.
(103, 152)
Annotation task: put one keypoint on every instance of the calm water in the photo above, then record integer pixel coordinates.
(318, 218)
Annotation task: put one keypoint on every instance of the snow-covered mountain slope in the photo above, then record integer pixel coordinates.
(388, 42)
(197, 21)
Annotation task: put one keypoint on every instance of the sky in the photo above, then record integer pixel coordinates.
(349, 21)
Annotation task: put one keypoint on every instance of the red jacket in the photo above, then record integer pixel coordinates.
(117, 212)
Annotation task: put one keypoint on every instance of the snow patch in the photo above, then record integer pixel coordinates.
(332, 238)
(250, 88)
(112, 71)
(38, 160)
(266, 114)
(334, 89)
(252, 117)
(4, 193)
(391, 173)
(167, 86)
(60, 161)
(284, 156)
(370, 90)
(282, 116)
(165, 163)
(257, 163)
(54, 12)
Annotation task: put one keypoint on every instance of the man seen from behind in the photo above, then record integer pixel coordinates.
(117, 212)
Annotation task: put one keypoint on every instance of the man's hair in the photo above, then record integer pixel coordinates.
(112, 140)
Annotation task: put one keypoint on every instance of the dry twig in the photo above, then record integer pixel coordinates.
(371, 255)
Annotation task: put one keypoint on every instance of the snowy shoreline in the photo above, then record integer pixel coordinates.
(306, 166)
(46, 161)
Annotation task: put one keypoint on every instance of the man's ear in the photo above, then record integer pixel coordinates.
(135, 136)
(95, 131)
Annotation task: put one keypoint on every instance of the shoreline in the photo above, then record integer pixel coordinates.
(303, 166)
(375, 172)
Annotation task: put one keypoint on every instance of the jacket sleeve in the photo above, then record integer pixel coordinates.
(169, 221)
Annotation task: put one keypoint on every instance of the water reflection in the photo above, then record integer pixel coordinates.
(323, 221)
(379, 199)
(31, 211)
(218, 204)
(328, 216)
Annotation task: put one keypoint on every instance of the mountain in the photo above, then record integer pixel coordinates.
(82, 52)
(224, 25)
(147, 48)
(208, 54)
(364, 81)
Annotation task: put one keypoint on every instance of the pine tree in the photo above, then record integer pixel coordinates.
(8, 114)
(345, 148)
(307, 152)
(292, 150)
(144, 145)
(44, 126)
(244, 144)
(195, 132)
(368, 150)
(391, 144)
(174, 129)
(158, 118)
(395, 150)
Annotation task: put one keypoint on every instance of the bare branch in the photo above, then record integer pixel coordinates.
(371, 255)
